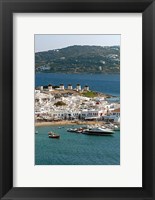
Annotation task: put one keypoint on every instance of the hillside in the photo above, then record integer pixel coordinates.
(79, 59)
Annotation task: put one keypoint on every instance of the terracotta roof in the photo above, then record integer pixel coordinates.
(116, 110)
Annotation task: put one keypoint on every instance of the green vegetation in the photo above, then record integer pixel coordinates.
(89, 94)
(79, 59)
(60, 103)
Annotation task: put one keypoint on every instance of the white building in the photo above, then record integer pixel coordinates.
(37, 91)
(62, 86)
(92, 114)
(41, 88)
(50, 88)
(70, 87)
(114, 116)
(86, 88)
(78, 87)
(58, 114)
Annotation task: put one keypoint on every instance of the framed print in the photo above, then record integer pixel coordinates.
(77, 99)
(86, 112)
(82, 103)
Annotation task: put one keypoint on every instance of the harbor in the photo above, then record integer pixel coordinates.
(74, 148)
(71, 120)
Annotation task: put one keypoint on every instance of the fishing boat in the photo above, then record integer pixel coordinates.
(98, 131)
(53, 135)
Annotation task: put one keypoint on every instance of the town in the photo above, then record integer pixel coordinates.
(56, 103)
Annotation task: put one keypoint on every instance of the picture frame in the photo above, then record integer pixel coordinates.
(7, 8)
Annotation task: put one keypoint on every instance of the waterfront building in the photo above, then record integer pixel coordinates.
(114, 116)
(73, 114)
(62, 86)
(86, 88)
(91, 114)
(116, 112)
(78, 87)
(70, 87)
(58, 114)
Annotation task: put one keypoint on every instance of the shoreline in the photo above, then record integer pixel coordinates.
(65, 122)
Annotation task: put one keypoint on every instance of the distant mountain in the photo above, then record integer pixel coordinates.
(79, 59)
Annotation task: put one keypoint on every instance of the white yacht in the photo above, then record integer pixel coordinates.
(98, 131)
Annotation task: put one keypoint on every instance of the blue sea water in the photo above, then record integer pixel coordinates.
(106, 83)
(72, 148)
(75, 149)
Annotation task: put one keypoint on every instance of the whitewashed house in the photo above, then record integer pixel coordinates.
(114, 116)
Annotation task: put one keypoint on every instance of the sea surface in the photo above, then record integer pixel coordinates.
(75, 148)
(106, 83)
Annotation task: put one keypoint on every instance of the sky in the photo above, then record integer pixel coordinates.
(50, 42)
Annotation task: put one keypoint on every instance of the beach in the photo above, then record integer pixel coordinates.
(66, 122)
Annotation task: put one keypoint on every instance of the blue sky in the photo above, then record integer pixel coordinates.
(49, 42)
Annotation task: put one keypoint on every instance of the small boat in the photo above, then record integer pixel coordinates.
(72, 130)
(60, 127)
(53, 135)
(36, 132)
(79, 130)
(75, 130)
(114, 127)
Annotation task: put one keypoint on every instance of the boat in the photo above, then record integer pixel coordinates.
(98, 131)
(60, 127)
(79, 131)
(53, 135)
(72, 130)
(36, 132)
(75, 130)
(114, 127)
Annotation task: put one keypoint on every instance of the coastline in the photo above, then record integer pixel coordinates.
(66, 122)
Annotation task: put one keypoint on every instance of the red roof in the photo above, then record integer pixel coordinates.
(116, 110)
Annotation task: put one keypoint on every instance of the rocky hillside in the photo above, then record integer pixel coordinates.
(79, 59)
